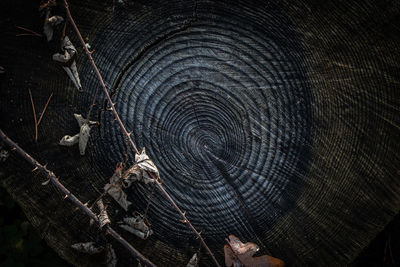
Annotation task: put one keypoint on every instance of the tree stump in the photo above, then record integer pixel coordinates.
(275, 121)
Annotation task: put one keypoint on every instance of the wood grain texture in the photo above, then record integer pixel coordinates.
(275, 121)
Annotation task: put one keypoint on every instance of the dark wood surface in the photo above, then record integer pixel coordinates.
(274, 121)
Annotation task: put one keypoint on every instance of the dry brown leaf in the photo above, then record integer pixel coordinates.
(82, 137)
(69, 64)
(262, 261)
(114, 189)
(146, 164)
(230, 258)
(239, 248)
(118, 195)
(137, 226)
(139, 171)
(239, 254)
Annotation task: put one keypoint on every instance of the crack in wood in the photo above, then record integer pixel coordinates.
(253, 225)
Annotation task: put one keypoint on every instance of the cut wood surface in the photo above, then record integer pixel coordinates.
(274, 121)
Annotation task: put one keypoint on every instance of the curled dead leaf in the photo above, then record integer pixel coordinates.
(137, 226)
(237, 253)
(68, 140)
(103, 216)
(140, 171)
(82, 137)
(68, 61)
(114, 189)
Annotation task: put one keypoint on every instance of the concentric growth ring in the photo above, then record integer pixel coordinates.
(224, 111)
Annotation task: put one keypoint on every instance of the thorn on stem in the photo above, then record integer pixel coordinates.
(197, 237)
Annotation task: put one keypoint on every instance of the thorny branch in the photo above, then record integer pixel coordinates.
(128, 135)
(52, 177)
(36, 121)
(30, 32)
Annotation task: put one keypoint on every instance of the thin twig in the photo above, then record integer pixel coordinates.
(44, 109)
(28, 30)
(128, 135)
(34, 115)
(67, 194)
(25, 34)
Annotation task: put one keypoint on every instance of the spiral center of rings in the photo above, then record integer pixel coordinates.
(223, 112)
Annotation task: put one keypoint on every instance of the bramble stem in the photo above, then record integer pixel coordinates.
(128, 135)
(67, 194)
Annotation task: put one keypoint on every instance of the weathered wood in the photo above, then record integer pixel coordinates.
(274, 121)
